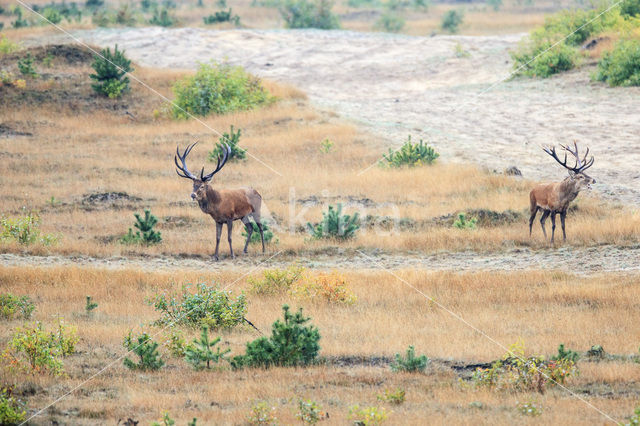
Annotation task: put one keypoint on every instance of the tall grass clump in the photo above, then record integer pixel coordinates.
(218, 88)
(621, 66)
(309, 14)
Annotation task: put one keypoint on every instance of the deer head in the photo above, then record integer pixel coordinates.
(200, 184)
(576, 173)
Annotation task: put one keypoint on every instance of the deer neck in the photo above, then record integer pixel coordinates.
(569, 190)
(210, 202)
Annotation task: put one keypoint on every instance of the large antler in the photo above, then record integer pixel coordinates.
(220, 165)
(185, 171)
(580, 166)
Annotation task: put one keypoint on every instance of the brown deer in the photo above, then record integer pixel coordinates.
(554, 198)
(224, 205)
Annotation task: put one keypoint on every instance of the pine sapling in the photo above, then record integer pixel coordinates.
(147, 351)
(90, 305)
(200, 352)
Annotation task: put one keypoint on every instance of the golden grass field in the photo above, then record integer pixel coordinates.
(64, 145)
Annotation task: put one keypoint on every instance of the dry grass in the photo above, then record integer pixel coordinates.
(79, 145)
(543, 309)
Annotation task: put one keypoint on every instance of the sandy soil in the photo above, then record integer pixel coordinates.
(397, 85)
(591, 260)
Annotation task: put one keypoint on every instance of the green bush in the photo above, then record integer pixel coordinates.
(145, 233)
(309, 14)
(222, 16)
(367, 415)
(200, 353)
(147, 351)
(410, 363)
(232, 140)
(394, 397)
(517, 372)
(276, 281)
(176, 343)
(25, 230)
(452, 20)
(12, 411)
(630, 8)
(262, 413)
(52, 15)
(267, 233)
(291, 344)
(335, 225)
(89, 305)
(111, 73)
(410, 154)
(390, 22)
(463, 222)
(621, 66)
(35, 350)
(634, 420)
(26, 68)
(539, 59)
(218, 89)
(309, 412)
(7, 46)
(207, 306)
(566, 354)
(15, 306)
(162, 18)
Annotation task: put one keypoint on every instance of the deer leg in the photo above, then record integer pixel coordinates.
(229, 229)
(532, 218)
(563, 216)
(261, 233)
(543, 219)
(218, 234)
(553, 225)
(249, 228)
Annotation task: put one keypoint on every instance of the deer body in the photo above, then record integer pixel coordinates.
(554, 198)
(224, 205)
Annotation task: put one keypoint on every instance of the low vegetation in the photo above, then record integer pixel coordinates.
(145, 233)
(410, 362)
(410, 154)
(111, 70)
(200, 353)
(335, 225)
(229, 139)
(148, 357)
(12, 410)
(308, 14)
(621, 66)
(12, 306)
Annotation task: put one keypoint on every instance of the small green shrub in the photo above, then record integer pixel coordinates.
(566, 354)
(232, 140)
(52, 15)
(394, 397)
(162, 18)
(335, 225)
(452, 20)
(326, 145)
(309, 412)
(621, 66)
(166, 420)
(222, 16)
(463, 222)
(176, 344)
(410, 363)
(410, 154)
(630, 8)
(26, 68)
(367, 415)
(12, 411)
(15, 306)
(111, 73)
(207, 306)
(529, 409)
(255, 235)
(35, 350)
(200, 353)
(19, 22)
(540, 59)
(291, 343)
(90, 305)
(7, 46)
(309, 14)
(276, 281)
(145, 233)
(25, 230)
(146, 350)
(517, 372)
(461, 52)
(218, 89)
(390, 22)
(262, 413)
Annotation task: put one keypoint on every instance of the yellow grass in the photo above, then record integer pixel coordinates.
(543, 309)
(91, 148)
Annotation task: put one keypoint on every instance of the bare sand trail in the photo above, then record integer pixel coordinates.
(394, 85)
(581, 261)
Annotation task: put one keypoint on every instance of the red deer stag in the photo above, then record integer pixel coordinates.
(224, 205)
(554, 198)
